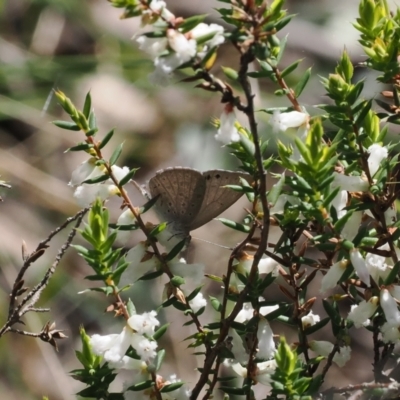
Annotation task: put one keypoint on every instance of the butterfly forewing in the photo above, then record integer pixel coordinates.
(218, 198)
(180, 194)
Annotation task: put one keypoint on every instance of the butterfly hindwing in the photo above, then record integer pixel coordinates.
(218, 198)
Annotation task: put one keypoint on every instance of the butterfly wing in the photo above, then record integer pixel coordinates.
(180, 194)
(218, 198)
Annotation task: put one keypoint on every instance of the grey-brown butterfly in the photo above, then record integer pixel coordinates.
(188, 199)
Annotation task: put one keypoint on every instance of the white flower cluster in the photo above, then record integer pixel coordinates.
(175, 48)
(136, 333)
(85, 194)
(266, 346)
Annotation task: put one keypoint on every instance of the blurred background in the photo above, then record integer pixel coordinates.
(77, 46)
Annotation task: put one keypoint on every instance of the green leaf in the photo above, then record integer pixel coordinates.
(282, 47)
(141, 386)
(215, 304)
(69, 126)
(393, 274)
(116, 276)
(290, 68)
(276, 190)
(81, 147)
(158, 229)
(234, 390)
(301, 84)
(87, 106)
(145, 207)
(91, 132)
(189, 23)
(176, 250)
(316, 327)
(234, 225)
(159, 359)
(98, 179)
(106, 139)
(151, 275)
(130, 227)
(283, 22)
(230, 73)
(248, 145)
(172, 387)
(194, 293)
(92, 121)
(117, 152)
(128, 176)
(215, 278)
(160, 331)
(131, 308)
(177, 281)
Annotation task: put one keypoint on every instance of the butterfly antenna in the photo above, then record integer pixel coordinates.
(141, 189)
(215, 244)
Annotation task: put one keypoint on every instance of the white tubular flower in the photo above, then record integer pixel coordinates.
(86, 170)
(266, 344)
(245, 314)
(390, 329)
(160, 7)
(389, 307)
(87, 194)
(185, 48)
(376, 265)
(332, 277)
(198, 302)
(282, 121)
(350, 183)
(141, 261)
(112, 347)
(126, 218)
(109, 344)
(262, 374)
(238, 349)
(164, 67)
(267, 309)
(267, 265)
(152, 46)
(324, 348)
(133, 364)
(227, 132)
(145, 348)
(119, 172)
(352, 226)
(360, 266)
(340, 202)
(377, 153)
(361, 313)
(310, 319)
(144, 324)
(202, 29)
(216, 33)
(391, 215)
